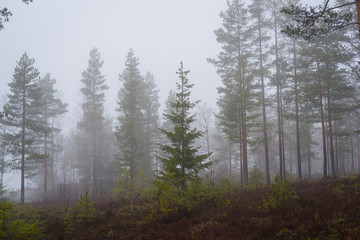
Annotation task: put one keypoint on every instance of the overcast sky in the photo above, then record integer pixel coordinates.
(59, 35)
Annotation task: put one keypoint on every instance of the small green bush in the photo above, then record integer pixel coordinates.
(12, 227)
(85, 209)
(281, 191)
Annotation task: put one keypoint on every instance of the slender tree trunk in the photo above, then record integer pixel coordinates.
(358, 153)
(322, 118)
(298, 152)
(230, 161)
(45, 155)
(332, 158)
(3, 154)
(244, 131)
(309, 166)
(337, 164)
(94, 167)
(22, 197)
(266, 145)
(45, 167)
(241, 160)
(281, 167)
(52, 144)
(245, 160)
(282, 135)
(352, 150)
(290, 151)
(148, 169)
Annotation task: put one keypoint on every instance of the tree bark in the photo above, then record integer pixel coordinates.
(22, 197)
(266, 145)
(298, 152)
(281, 168)
(322, 117)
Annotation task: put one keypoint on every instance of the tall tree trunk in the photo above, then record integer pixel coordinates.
(241, 160)
(352, 149)
(94, 167)
(358, 153)
(45, 166)
(322, 117)
(298, 152)
(281, 169)
(290, 151)
(282, 135)
(245, 160)
(52, 144)
(337, 164)
(22, 197)
(45, 155)
(309, 166)
(331, 144)
(3, 154)
(266, 145)
(230, 161)
(148, 144)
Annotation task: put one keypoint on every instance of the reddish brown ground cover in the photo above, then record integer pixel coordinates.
(328, 210)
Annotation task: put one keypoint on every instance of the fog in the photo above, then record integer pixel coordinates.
(60, 34)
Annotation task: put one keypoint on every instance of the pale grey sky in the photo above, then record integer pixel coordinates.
(59, 34)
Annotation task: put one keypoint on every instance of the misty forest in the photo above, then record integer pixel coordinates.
(278, 158)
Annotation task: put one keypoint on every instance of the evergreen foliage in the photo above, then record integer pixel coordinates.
(130, 131)
(85, 210)
(23, 116)
(51, 109)
(93, 117)
(310, 22)
(239, 94)
(182, 161)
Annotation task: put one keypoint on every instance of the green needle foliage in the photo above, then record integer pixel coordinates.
(11, 227)
(181, 161)
(85, 209)
(309, 22)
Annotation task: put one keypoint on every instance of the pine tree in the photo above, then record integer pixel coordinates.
(278, 78)
(182, 161)
(257, 10)
(240, 94)
(51, 108)
(93, 111)
(22, 109)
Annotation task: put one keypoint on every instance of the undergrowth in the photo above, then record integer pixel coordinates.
(283, 210)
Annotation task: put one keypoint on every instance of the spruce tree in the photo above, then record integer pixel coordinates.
(130, 132)
(93, 111)
(151, 121)
(182, 161)
(23, 110)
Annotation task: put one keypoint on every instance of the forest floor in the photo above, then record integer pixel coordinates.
(301, 210)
